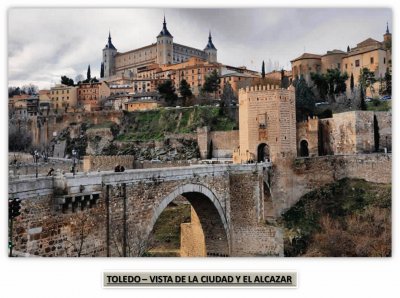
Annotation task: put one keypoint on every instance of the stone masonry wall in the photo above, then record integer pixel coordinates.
(308, 131)
(44, 128)
(250, 235)
(42, 230)
(292, 179)
(354, 132)
(89, 214)
(384, 120)
(365, 131)
(192, 237)
(203, 141)
(224, 142)
(106, 162)
(266, 116)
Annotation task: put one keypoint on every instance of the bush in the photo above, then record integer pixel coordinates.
(345, 218)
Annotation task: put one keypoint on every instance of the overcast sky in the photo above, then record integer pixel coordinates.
(44, 44)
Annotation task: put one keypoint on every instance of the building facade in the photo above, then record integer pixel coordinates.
(164, 52)
(63, 97)
(372, 54)
(91, 95)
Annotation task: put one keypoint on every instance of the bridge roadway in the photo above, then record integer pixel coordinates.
(28, 186)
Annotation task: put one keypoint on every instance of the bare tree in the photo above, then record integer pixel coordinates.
(75, 248)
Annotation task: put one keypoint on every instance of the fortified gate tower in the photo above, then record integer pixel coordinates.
(267, 124)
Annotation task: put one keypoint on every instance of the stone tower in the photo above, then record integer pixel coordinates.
(267, 124)
(109, 53)
(211, 50)
(387, 38)
(165, 46)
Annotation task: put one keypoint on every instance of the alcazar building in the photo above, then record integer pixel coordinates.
(164, 52)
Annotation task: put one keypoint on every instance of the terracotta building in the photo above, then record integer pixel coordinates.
(90, 95)
(62, 97)
(372, 54)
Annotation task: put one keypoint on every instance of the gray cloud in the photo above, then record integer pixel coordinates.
(44, 44)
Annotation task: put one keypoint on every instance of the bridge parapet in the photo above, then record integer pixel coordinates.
(31, 187)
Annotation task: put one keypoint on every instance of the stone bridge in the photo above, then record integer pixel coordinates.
(113, 214)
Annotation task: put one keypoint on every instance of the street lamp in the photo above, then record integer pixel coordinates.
(36, 157)
(74, 158)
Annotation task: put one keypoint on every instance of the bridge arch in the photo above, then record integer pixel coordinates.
(211, 214)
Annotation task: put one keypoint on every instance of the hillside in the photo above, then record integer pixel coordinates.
(152, 125)
(349, 218)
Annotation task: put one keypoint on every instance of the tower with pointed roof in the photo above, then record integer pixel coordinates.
(165, 46)
(109, 53)
(210, 50)
(387, 38)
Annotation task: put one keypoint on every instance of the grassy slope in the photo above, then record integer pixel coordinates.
(151, 125)
(346, 218)
(165, 238)
(378, 105)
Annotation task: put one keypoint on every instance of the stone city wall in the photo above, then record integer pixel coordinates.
(355, 132)
(223, 142)
(293, 179)
(364, 131)
(44, 128)
(308, 131)
(107, 162)
(384, 123)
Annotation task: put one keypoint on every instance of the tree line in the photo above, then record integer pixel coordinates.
(168, 90)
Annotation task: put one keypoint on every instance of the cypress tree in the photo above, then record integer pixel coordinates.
(102, 70)
(363, 104)
(263, 70)
(88, 77)
(352, 82)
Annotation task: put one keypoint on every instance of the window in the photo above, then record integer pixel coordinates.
(338, 65)
(384, 60)
(371, 60)
(357, 63)
(345, 65)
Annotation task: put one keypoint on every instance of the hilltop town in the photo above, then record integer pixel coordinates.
(168, 121)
